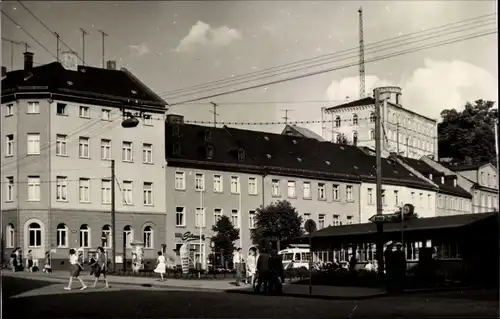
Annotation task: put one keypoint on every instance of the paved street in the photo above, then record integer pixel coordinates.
(26, 298)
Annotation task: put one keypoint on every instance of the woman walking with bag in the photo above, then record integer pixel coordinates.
(76, 268)
(101, 267)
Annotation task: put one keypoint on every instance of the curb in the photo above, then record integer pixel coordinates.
(320, 297)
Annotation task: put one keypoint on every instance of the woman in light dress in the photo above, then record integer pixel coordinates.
(161, 265)
(251, 265)
(76, 268)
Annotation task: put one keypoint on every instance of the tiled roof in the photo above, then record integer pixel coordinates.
(453, 221)
(461, 168)
(281, 154)
(303, 131)
(371, 101)
(425, 169)
(86, 82)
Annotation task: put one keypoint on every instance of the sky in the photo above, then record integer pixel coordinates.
(173, 45)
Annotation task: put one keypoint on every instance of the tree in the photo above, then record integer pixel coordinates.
(276, 222)
(468, 137)
(225, 236)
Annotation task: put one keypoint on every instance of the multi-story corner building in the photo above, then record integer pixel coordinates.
(404, 131)
(60, 131)
(479, 180)
(451, 197)
(224, 171)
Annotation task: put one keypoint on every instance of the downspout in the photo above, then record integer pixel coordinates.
(19, 228)
(49, 248)
(359, 196)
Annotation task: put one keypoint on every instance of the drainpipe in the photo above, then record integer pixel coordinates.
(20, 230)
(50, 184)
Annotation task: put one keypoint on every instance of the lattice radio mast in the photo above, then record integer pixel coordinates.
(361, 56)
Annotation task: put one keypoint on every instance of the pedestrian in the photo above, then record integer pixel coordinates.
(12, 262)
(47, 268)
(237, 259)
(251, 266)
(29, 261)
(101, 267)
(399, 260)
(75, 270)
(263, 270)
(161, 265)
(93, 262)
(18, 259)
(275, 273)
(389, 266)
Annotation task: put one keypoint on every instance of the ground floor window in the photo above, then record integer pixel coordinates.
(62, 236)
(148, 237)
(34, 235)
(448, 251)
(85, 236)
(10, 235)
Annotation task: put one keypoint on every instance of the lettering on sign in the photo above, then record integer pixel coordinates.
(188, 236)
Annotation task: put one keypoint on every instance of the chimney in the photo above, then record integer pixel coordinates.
(111, 65)
(28, 61)
(175, 119)
(69, 61)
(4, 72)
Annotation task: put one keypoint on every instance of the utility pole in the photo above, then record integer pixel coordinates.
(113, 221)
(215, 113)
(84, 33)
(57, 45)
(378, 161)
(104, 34)
(361, 56)
(286, 115)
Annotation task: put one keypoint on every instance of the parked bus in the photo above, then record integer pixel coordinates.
(296, 256)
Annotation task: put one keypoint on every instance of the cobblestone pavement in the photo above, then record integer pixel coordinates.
(25, 298)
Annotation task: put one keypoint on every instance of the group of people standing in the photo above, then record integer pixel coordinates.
(395, 267)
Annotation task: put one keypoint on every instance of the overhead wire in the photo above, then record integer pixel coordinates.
(309, 74)
(29, 34)
(368, 47)
(47, 27)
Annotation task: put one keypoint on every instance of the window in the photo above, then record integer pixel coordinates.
(241, 154)
(105, 114)
(235, 220)
(412, 197)
(61, 188)
(348, 191)
(128, 235)
(370, 196)
(127, 192)
(396, 197)
(84, 111)
(148, 237)
(482, 178)
(33, 107)
(210, 151)
(105, 191)
(35, 235)
(321, 191)
(217, 215)
(291, 189)
(251, 219)
(9, 109)
(336, 192)
(34, 188)
(384, 202)
(62, 236)
(10, 236)
(235, 185)
(83, 147)
(372, 117)
(218, 187)
(61, 109)
(252, 186)
(354, 138)
(180, 217)
(33, 144)
(372, 135)
(349, 220)
(148, 119)
(147, 153)
(9, 191)
(307, 189)
(336, 220)
(84, 190)
(175, 130)
(275, 188)
(354, 119)
(105, 149)
(9, 150)
(106, 236)
(338, 121)
(200, 217)
(208, 135)
(421, 200)
(147, 191)
(176, 149)
(199, 182)
(321, 221)
(440, 201)
(180, 180)
(85, 236)
(61, 145)
(307, 216)
(127, 152)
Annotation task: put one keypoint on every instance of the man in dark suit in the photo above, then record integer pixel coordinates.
(263, 270)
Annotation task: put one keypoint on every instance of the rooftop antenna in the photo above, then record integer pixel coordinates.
(104, 34)
(361, 56)
(215, 113)
(84, 33)
(286, 118)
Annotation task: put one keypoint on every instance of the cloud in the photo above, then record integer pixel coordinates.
(202, 34)
(138, 50)
(437, 86)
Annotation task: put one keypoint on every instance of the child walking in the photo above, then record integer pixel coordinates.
(76, 267)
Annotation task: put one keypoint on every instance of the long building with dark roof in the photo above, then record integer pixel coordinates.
(61, 129)
(228, 171)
